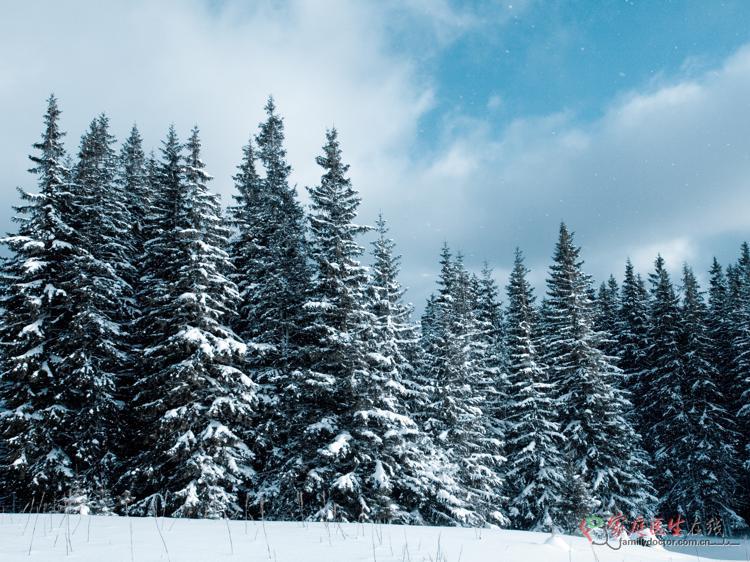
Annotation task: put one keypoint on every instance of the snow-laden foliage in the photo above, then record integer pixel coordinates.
(35, 280)
(459, 411)
(192, 401)
(707, 485)
(535, 461)
(632, 333)
(157, 358)
(601, 445)
(269, 251)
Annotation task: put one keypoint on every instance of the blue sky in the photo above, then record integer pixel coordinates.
(537, 58)
(481, 123)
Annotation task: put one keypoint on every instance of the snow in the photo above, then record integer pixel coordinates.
(339, 444)
(33, 265)
(346, 482)
(84, 538)
(384, 415)
(380, 476)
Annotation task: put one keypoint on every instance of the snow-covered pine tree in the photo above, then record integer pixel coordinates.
(192, 399)
(269, 252)
(34, 304)
(535, 468)
(600, 442)
(633, 340)
(329, 445)
(454, 416)
(740, 317)
(134, 182)
(490, 332)
(721, 333)
(136, 179)
(271, 247)
(246, 247)
(351, 450)
(663, 383)
(708, 484)
(416, 482)
(392, 325)
(93, 349)
(606, 309)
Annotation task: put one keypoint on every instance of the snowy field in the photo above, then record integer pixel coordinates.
(51, 538)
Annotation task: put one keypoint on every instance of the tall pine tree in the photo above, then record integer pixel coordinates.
(94, 347)
(458, 414)
(536, 465)
(34, 303)
(193, 400)
(600, 442)
(707, 486)
(633, 340)
(664, 381)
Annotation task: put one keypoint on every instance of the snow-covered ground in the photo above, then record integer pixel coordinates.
(51, 538)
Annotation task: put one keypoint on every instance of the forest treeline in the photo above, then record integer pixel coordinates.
(161, 354)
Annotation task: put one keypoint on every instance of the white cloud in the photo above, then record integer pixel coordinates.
(675, 252)
(665, 168)
(159, 62)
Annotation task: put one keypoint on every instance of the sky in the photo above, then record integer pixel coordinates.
(477, 123)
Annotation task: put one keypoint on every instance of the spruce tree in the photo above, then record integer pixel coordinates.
(600, 442)
(664, 381)
(93, 350)
(535, 472)
(490, 348)
(339, 328)
(135, 184)
(740, 316)
(606, 315)
(271, 271)
(721, 333)
(633, 340)
(708, 484)
(272, 223)
(457, 415)
(409, 483)
(192, 399)
(34, 309)
(245, 246)
(136, 180)
(352, 452)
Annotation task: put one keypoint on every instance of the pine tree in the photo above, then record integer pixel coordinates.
(135, 184)
(34, 303)
(272, 249)
(606, 316)
(458, 414)
(708, 484)
(352, 451)
(664, 381)
(740, 316)
(535, 461)
(339, 328)
(271, 271)
(721, 333)
(136, 180)
(93, 349)
(245, 247)
(601, 443)
(633, 340)
(409, 477)
(192, 398)
(490, 344)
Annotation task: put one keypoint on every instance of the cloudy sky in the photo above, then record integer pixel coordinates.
(481, 123)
